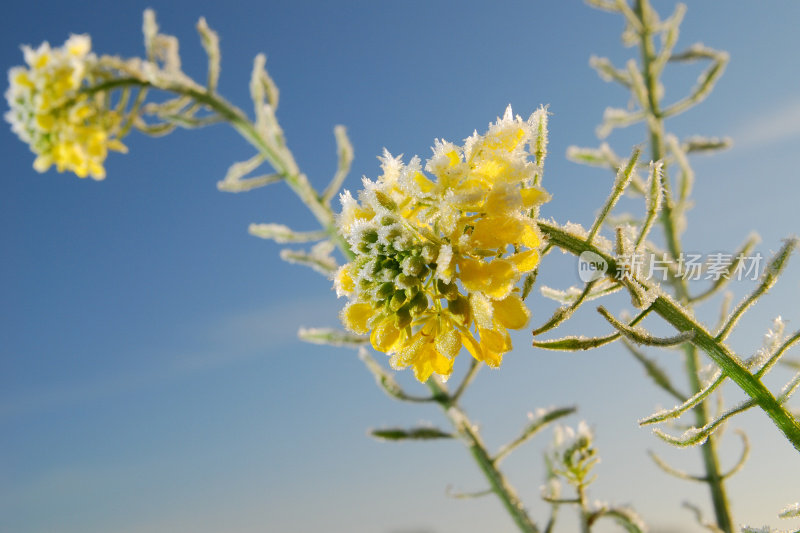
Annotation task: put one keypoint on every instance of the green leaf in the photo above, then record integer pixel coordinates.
(418, 433)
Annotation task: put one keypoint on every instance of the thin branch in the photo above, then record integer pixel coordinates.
(387, 382)
(788, 343)
(742, 458)
(564, 312)
(531, 429)
(466, 495)
(696, 436)
(672, 471)
(768, 279)
(675, 412)
(620, 183)
(640, 336)
(659, 377)
(472, 371)
(738, 259)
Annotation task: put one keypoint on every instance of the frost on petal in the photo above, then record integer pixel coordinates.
(391, 166)
(511, 312)
(66, 128)
(446, 162)
(439, 250)
(444, 266)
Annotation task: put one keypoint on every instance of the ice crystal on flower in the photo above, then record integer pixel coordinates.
(63, 125)
(438, 255)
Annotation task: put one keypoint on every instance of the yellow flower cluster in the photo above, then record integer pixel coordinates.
(63, 126)
(437, 260)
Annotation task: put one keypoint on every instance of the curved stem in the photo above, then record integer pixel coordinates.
(472, 439)
(228, 112)
(323, 213)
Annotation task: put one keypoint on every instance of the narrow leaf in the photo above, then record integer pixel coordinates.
(319, 258)
(210, 41)
(418, 433)
(538, 423)
(576, 343)
(331, 337)
(248, 184)
(706, 144)
(344, 151)
(281, 233)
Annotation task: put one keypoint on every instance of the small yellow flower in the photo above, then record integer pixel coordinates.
(438, 258)
(63, 126)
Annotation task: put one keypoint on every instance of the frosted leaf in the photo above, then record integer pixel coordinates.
(564, 297)
(319, 258)
(691, 434)
(790, 511)
(283, 234)
(331, 337)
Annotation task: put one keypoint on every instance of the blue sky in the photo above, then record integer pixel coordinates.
(150, 379)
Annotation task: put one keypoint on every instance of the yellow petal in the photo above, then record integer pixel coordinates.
(495, 279)
(429, 361)
(472, 345)
(42, 163)
(494, 342)
(343, 282)
(530, 235)
(45, 122)
(408, 350)
(23, 79)
(491, 358)
(502, 199)
(448, 341)
(481, 308)
(355, 317)
(525, 261)
(534, 196)
(506, 139)
(423, 182)
(491, 169)
(117, 146)
(385, 336)
(453, 157)
(96, 170)
(501, 278)
(496, 232)
(510, 312)
(442, 365)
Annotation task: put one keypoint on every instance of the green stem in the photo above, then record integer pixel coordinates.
(655, 125)
(472, 439)
(584, 512)
(238, 119)
(682, 320)
(300, 185)
(708, 449)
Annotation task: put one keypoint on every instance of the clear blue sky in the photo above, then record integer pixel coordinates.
(150, 379)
